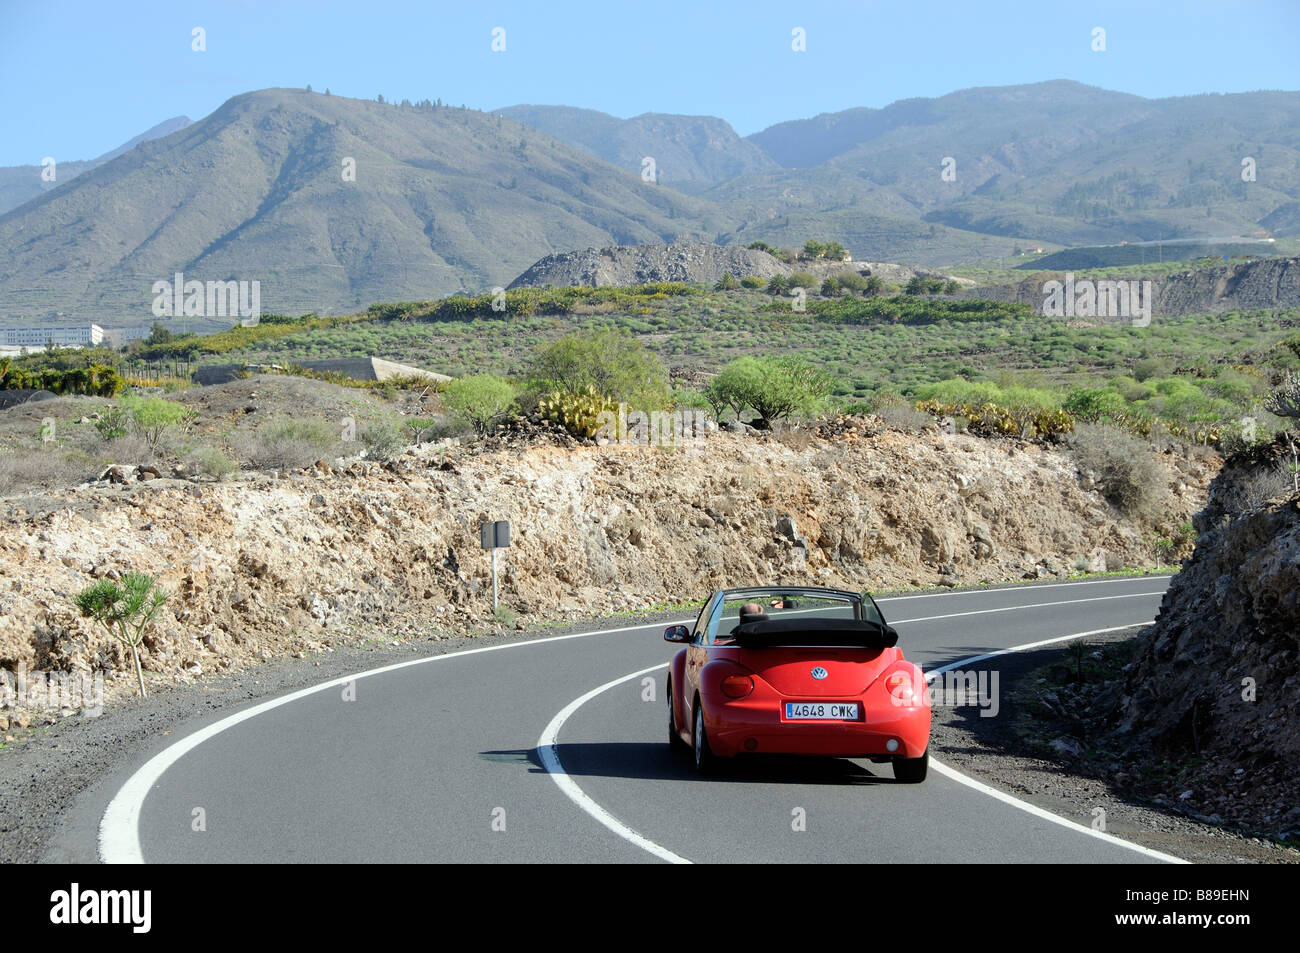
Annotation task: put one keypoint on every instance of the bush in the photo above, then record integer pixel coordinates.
(290, 444)
(773, 387)
(803, 279)
(1126, 469)
(151, 418)
(726, 283)
(382, 440)
(851, 281)
(113, 423)
(751, 281)
(215, 463)
(479, 401)
(613, 364)
(778, 285)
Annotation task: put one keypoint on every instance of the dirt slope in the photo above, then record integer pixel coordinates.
(263, 566)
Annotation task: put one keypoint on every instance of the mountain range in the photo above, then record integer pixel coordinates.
(442, 199)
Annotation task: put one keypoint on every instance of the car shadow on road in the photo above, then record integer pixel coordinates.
(652, 761)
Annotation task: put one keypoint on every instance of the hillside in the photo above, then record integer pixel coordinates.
(22, 183)
(443, 199)
(1059, 161)
(1269, 283)
(266, 565)
(451, 199)
(689, 152)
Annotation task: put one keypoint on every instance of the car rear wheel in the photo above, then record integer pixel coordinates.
(675, 742)
(912, 770)
(705, 761)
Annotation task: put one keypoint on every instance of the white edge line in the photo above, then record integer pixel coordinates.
(551, 761)
(1028, 585)
(119, 828)
(1033, 809)
(546, 748)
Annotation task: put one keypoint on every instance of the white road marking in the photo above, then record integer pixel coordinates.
(1034, 809)
(546, 748)
(547, 744)
(1034, 605)
(1028, 585)
(119, 828)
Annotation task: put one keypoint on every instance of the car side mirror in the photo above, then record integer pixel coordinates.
(677, 633)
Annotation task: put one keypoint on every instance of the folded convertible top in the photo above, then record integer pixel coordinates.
(850, 632)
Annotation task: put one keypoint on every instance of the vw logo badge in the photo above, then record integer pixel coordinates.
(819, 673)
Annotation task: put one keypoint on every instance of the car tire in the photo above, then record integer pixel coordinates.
(912, 770)
(675, 742)
(705, 760)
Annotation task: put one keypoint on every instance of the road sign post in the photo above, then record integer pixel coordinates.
(494, 536)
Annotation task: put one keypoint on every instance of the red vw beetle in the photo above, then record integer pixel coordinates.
(796, 671)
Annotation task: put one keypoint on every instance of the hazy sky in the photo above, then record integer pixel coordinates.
(79, 78)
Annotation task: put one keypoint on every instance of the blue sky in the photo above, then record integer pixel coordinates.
(77, 79)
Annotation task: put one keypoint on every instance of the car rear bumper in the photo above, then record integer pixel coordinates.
(757, 727)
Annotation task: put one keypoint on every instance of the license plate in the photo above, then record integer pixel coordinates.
(833, 711)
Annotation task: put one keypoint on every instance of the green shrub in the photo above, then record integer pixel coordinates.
(215, 463)
(773, 387)
(726, 283)
(151, 418)
(611, 363)
(778, 285)
(751, 281)
(803, 279)
(113, 423)
(382, 440)
(480, 401)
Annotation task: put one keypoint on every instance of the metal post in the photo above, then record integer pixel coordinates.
(494, 580)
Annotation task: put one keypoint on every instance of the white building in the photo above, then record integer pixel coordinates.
(83, 336)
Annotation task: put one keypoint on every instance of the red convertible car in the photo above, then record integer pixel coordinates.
(796, 671)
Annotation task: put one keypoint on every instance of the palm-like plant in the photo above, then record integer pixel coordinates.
(124, 611)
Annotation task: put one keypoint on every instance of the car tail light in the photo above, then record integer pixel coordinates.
(737, 686)
(899, 684)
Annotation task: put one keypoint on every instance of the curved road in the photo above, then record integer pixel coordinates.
(554, 750)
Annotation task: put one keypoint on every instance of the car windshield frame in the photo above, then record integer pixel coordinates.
(863, 605)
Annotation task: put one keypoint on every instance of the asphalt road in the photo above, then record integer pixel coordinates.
(445, 760)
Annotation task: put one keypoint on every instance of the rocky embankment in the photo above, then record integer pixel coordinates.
(1265, 283)
(270, 566)
(692, 262)
(1213, 700)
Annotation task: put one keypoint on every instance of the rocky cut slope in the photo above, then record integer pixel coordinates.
(262, 566)
(1267, 283)
(1216, 689)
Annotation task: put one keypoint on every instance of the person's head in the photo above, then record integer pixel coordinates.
(751, 612)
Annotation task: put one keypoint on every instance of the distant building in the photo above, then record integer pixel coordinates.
(120, 336)
(83, 336)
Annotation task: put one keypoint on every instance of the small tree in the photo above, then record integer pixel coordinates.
(124, 611)
(152, 417)
(479, 401)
